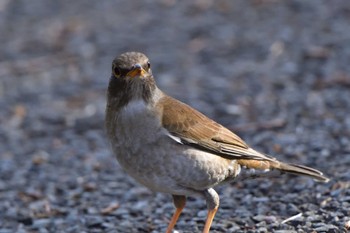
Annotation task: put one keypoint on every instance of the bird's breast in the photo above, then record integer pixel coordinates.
(136, 134)
(137, 125)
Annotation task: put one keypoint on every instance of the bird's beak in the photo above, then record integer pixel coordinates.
(137, 71)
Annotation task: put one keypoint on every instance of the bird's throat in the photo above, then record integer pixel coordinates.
(121, 92)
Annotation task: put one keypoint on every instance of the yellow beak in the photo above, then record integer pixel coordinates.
(137, 71)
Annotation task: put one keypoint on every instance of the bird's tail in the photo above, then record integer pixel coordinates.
(302, 170)
(272, 164)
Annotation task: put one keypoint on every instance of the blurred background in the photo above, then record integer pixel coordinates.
(276, 72)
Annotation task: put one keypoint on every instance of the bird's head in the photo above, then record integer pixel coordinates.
(131, 77)
(131, 67)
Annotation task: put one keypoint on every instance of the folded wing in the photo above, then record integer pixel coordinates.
(195, 129)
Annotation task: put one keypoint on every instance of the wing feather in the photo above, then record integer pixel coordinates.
(195, 129)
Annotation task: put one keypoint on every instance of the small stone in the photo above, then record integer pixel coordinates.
(293, 208)
(41, 223)
(110, 208)
(40, 157)
(326, 228)
(72, 229)
(126, 224)
(234, 228)
(94, 221)
(202, 213)
(347, 225)
(259, 218)
(4, 230)
(25, 220)
(285, 231)
(89, 187)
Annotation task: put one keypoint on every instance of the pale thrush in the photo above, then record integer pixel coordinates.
(170, 147)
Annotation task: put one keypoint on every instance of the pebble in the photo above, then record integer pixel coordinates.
(202, 213)
(41, 223)
(285, 231)
(4, 230)
(326, 228)
(93, 221)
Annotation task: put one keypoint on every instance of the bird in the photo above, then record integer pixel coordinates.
(170, 147)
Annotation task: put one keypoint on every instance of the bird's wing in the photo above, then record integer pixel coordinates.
(190, 127)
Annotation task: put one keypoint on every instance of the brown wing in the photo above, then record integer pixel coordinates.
(195, 129)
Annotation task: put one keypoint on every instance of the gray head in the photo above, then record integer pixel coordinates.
(131, 78)
(130, 65)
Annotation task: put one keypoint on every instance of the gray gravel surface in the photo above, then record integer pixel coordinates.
(277, 72)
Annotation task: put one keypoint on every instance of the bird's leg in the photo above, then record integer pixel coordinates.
(179, 202)
(212, 199)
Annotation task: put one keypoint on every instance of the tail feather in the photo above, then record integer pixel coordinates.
(302, 170)
(270, 163)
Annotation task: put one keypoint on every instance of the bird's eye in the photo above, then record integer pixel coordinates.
(116, 71)
(148, 65)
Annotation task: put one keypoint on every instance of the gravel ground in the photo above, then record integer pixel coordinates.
(276, 72)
